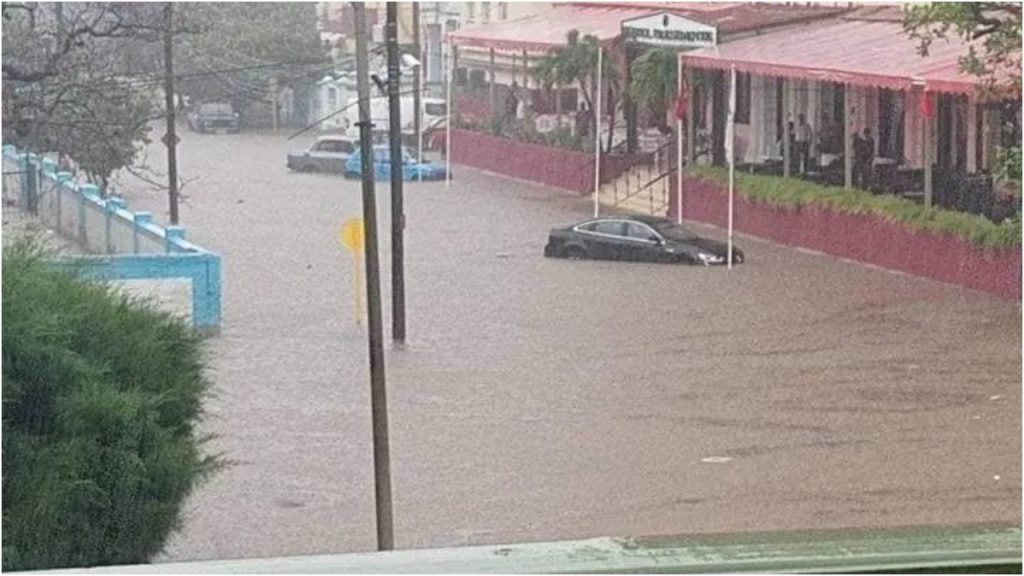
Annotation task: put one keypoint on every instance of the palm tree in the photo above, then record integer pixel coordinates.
(576, 62)
(653, 82)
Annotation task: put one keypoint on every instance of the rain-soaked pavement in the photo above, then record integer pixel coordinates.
(545, 399)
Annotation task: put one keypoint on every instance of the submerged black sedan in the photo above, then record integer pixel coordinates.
(637, 238)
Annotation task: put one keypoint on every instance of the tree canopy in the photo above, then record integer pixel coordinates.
(240, 47)
(65, 91)
(992, 29)
(85, 79)
(653, 81)
(576, 62)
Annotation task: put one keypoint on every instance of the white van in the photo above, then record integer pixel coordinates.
(435, 111)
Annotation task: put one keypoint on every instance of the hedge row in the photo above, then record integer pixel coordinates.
(101, 398)
(792, 193)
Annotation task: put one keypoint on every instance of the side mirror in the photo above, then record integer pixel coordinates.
(657, 241)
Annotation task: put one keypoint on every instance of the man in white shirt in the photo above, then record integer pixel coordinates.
(804, 137)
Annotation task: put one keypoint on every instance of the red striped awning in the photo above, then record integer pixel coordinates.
(873, 53)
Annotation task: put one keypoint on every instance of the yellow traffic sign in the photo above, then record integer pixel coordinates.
(352, 234)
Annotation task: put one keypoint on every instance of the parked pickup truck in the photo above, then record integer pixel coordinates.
(215, 117)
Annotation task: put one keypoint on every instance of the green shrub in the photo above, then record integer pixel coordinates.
(792, 193)
(101, 397)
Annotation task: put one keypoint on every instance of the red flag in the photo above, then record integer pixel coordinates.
(927, 107)
(681, 105)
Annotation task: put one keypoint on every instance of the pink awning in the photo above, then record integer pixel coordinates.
(546, 30)
(873, 53)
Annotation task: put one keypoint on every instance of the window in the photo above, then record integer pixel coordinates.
(611, 227)
(503, 10)
(640, 231)
(471, 11)
(486, 11)
(435, 108)
(327, 146)
(890, 124)
(477, 79)
(742, 98)
(216, 109)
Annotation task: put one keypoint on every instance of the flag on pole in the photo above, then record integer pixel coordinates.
(730, 136)
(682, 102)
(731, 121)
(927, 107)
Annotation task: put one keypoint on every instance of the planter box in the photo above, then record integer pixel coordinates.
(558, 167)
(863, 237)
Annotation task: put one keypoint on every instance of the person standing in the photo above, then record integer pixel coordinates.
(864, 159)
(583, 120)
(804, 138)
(512, 101)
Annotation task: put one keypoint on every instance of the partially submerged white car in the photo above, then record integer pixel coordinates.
(326, 154)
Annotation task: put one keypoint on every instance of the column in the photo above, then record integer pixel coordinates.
(954, 108)
(691, 117)
(787, 104)
(972, 134)
(926, 157)
(492, 94)
(754, 149)
(847, 137)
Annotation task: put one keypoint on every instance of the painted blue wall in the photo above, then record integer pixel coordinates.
(178, 259)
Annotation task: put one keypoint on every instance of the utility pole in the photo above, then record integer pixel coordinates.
(273, 96)
(378, 395)
(397, 201)
(170, 139)
(417, 95)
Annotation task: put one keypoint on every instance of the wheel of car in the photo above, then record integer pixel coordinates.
(575, 253)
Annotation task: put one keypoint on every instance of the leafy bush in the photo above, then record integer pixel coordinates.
(101, 396)
(1008, 167)
(524, 130)
(793, 193)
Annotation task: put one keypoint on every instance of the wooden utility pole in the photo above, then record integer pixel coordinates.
(170, 138)
(397, 174)
(378, 395)
(417, 96)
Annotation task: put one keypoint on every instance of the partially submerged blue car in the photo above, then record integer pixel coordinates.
(411, 168)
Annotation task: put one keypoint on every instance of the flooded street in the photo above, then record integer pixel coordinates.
(542, 399)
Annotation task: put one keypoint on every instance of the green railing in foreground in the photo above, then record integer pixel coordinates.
(978, 549)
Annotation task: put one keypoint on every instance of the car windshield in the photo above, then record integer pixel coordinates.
(383, 154)
(435, 108)
(674, 231)
(221, 109)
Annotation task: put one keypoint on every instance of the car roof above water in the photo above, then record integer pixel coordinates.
(646, 219)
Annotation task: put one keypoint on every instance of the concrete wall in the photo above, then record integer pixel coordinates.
(863, 237)
(558, 167)
(133, 247)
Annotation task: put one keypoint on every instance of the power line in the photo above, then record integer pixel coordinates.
(157, 80)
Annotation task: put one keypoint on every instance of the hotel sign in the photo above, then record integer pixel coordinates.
(669, 30)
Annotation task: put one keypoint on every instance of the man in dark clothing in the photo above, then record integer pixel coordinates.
(512, 101)
(864, 159)
(583, 120)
